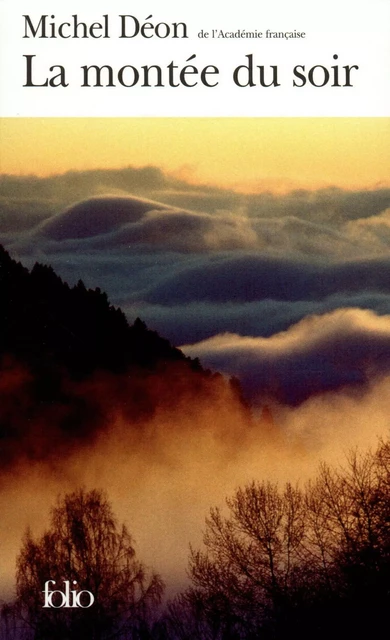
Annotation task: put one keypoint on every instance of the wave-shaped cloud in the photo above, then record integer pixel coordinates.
(249, 277)
(329, 205)
(348, 347)
(304, 222)
(195, 321)
(114, 222)
(96, 216)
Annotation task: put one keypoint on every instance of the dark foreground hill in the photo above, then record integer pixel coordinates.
(43, 320)
(69, 360)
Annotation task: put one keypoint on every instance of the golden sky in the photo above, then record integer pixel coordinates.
(243, 153)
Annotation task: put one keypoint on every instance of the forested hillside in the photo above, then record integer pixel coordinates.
(70, 361)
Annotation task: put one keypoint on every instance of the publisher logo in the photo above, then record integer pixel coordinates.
(67, 599)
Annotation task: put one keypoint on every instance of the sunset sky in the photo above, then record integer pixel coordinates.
(246, 154)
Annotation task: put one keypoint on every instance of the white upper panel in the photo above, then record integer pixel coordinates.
(305, 77)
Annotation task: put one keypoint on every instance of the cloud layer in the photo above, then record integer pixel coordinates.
(196, 261)
(348, 347)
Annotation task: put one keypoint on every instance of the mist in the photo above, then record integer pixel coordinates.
(163, 476)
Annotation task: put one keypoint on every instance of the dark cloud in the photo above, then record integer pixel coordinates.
(184, 323)
(250, 277)
(218, 222)
(19, 214)
(319, 354)
(116, 222)
(330, 206)
(95, 217)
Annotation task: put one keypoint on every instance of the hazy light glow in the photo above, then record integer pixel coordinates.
(247, 154)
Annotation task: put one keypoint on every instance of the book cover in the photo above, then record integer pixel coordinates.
(194, 326)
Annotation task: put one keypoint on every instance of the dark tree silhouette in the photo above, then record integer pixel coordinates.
(45, 322)
(85, 544)
(252, 560)
(283, 563)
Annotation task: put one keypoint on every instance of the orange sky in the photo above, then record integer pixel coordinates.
(243, 153)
